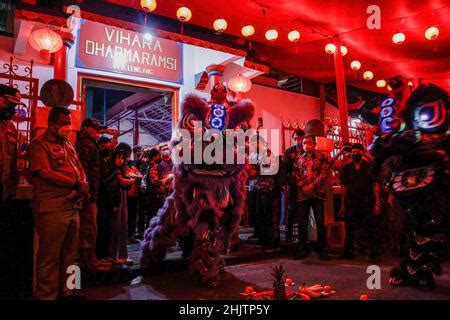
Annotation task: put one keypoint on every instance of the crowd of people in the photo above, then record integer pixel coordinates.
(92, 199)
(304, 179)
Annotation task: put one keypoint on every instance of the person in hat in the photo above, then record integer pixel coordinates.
(118, 182)
(9, 99)
(60, 185)
(88, 152)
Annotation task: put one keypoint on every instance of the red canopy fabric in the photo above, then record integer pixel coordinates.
(417, 58)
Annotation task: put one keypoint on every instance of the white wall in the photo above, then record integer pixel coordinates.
(274, 104)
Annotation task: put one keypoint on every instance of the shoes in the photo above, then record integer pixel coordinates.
(132, 240)
(300, 255)
(324, 256)
(348, 256)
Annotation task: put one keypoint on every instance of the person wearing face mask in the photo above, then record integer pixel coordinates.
(360, 203)
(311, 171)
(166, 164)
(288, 160)
(89, 154)
(9, 98)
(118, 183)
(60, 185)
(104, 199)
(154, 188)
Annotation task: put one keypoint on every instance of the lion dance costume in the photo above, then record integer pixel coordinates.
(205, 208)
(412, 158)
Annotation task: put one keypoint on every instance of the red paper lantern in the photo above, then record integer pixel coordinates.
(239, 83)
(148, 5)
(45, 41)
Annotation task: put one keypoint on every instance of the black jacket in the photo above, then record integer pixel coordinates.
(90, 159)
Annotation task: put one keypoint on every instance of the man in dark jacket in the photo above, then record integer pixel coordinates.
(88, 153)
(288, 160)
(9, 98)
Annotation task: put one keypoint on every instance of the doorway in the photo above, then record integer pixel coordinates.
(144, 114)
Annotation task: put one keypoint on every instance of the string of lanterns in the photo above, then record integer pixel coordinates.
(430, 34)
(184, 14)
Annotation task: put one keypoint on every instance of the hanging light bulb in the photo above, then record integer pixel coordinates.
(410, 84)
(389, 88)
(368, 75)
(294, 36)
(248, 31)
(184, 14)
(272, 35)
(398, 38)
(330, 48)
(355, 65)
(220, 25)
(432, 33)
(148, 5)
(344, 50)
(381, 83)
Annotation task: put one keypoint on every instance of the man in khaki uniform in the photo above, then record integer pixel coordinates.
(9, 98)
(59, 187)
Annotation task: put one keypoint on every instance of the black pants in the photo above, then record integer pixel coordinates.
(132, 203)
(105, 215)
(252, 198)
(268, 208)
(16, 249)
(142, 219)
(362, 226)
(303, 209)
(291, 211)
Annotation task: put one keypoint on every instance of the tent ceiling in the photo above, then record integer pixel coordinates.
(416, 58)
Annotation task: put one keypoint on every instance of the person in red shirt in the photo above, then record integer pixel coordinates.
(311, 171)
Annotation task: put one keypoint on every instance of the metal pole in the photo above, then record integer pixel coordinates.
(341, 90)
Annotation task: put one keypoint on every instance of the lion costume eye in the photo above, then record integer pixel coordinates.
(188, 121)
(431, 115)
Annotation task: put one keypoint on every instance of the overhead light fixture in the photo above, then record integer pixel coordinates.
(368, 75)
(432, 33)
(148, 36)
(330, 48)
(344, 50)
(220, 25)
(184, 14)
(294, 36)
(248, 31)
(389, 88)
(410, 84)
(272, 35)
(148, 5)
(381, 83)
(398, 38)
(355, 65)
